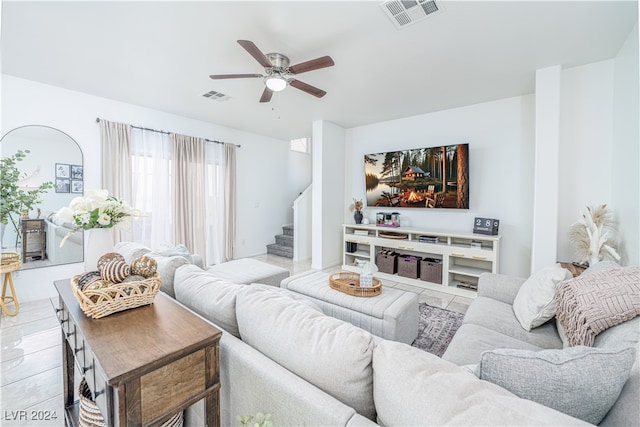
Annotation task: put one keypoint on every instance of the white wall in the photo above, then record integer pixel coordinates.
(263, 204)
(625, 179)
(501, 147)
(586, 133)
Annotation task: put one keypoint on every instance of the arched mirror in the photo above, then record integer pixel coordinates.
(53, 165)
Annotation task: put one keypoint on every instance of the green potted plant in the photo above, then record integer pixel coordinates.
(261, 420)
(16, 199)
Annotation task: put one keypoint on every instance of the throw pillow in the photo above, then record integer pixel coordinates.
(583, 382)
(534, 304)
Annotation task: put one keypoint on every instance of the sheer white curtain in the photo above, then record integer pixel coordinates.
(151, 185)
(215, 191)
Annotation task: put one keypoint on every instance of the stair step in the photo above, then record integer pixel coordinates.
(284, 240)
(283, 251)
(287, 230)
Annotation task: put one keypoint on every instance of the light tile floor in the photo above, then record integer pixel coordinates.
(31, 352)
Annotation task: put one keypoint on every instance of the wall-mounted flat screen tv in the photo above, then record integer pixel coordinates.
(432, 177)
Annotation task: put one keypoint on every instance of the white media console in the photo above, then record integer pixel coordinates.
(463, 256)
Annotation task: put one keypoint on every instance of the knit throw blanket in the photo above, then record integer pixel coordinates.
(589, 304)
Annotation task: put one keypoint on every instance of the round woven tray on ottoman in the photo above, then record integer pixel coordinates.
(349, 283)
(97, 303)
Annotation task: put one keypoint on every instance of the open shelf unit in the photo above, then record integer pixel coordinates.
(464, 256)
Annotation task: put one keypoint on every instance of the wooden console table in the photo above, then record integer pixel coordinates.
(142, 365)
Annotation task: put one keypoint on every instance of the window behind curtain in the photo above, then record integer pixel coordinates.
(151, 187)
(153, 192)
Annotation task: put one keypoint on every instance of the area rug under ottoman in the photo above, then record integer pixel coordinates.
(436, 328)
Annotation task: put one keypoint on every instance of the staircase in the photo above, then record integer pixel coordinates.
(284, 243)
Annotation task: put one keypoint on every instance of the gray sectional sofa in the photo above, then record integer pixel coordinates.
(489, 326)
(280, 354)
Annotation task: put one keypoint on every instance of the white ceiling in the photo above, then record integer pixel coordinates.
(160, 54)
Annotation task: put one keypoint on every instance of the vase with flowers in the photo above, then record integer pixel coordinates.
(97, 213)
(357, 207)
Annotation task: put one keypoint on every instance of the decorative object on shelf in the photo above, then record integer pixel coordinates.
(388, 219)
(396, 236)
(595, 235)
(98, 213)
(487, 226)
(357, 207)
(349, 283)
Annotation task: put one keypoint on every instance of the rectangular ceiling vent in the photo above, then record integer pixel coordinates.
(407, 12)
(216, 96)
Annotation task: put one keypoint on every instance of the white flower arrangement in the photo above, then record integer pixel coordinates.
(595, 235)
(96, 210)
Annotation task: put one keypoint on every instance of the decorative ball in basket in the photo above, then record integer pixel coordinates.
(116, 286)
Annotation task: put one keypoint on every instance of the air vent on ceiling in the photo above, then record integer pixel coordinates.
(406, 12)
(216, 96)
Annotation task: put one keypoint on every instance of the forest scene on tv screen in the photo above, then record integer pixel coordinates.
(433, 177)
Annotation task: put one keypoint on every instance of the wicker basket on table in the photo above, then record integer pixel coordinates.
(349, 283)
(97, 303)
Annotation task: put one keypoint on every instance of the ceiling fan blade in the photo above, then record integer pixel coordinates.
(255, 52)
(266, 95)
(311, 90)
(314, 64)
(232, 76)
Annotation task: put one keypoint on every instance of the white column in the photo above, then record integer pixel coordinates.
(328, 194)
(546, 183)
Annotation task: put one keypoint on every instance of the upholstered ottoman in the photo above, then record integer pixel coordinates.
(391, 315)
(249, 270)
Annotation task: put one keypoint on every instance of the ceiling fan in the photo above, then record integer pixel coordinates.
(278, 73)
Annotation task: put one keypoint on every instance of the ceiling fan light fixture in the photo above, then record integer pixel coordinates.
(275, 82)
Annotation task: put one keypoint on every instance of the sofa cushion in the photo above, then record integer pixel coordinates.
(534, 304)
(412, 387)
(470, 341)
(209, 296)
(131, 250)
(499, 316)
(626, 407)
(167, 267)
(583, 382)
(249, 270)
(333, 355)
(167, 249)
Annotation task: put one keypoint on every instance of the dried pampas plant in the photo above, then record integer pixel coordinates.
(595, 235)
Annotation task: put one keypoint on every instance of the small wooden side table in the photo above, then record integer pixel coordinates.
(143, 365)
(33, 238)
(7, 268)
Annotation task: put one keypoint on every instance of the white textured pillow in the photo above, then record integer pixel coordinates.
(534, 304)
